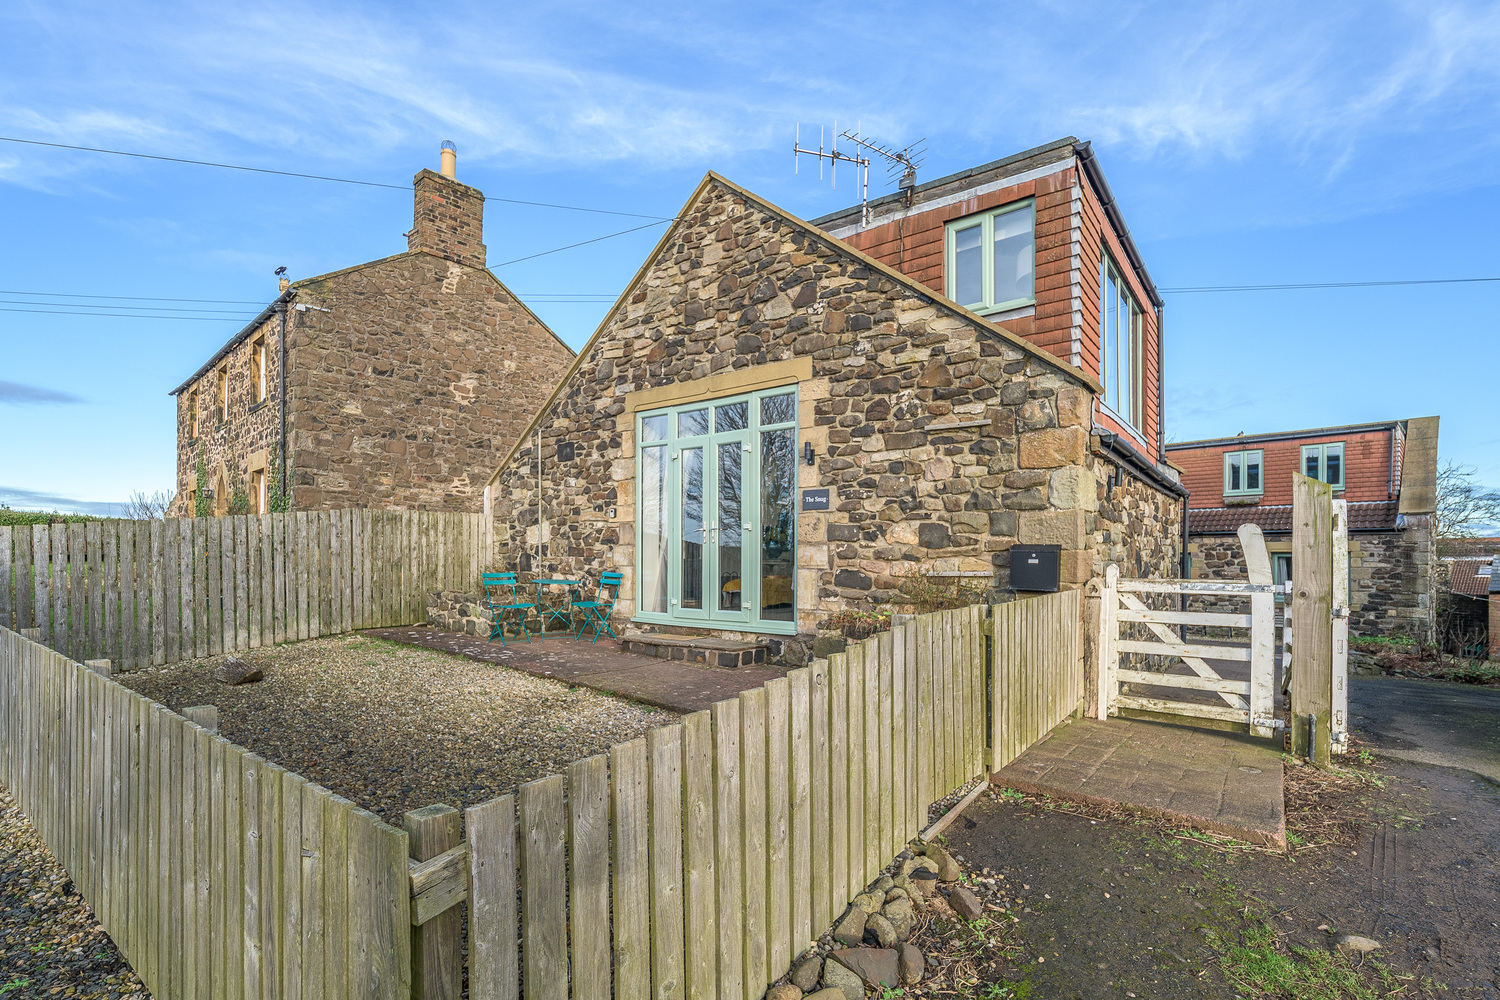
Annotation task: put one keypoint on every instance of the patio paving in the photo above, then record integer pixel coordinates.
(1218, 782)
(675, 685)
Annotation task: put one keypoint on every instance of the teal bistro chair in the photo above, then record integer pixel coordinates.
(501, 588)
(596, 612)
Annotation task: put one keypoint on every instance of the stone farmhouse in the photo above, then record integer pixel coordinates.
(1386, 472)
(781, 419)
(380, 385)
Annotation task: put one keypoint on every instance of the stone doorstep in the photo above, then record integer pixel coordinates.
(695, 649)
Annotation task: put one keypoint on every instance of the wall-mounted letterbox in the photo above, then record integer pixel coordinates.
(1035, 567)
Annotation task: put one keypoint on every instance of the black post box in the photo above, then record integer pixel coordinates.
(1035, 567)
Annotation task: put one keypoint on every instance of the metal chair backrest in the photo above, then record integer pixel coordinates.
(489, 580)
(612, 580)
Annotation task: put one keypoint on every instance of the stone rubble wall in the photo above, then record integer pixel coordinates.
(740, 287)
(1391, 584)
(421, 371)
(249, 430)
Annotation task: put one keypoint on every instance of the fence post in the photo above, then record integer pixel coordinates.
(204, 716)
(1092, 602)
(436, 946)
(1338, 732)
(1108, 629)
(1312, 615)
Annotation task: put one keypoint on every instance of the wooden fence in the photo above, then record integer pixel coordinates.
(700, 861)
(141, 593)
(216, 873)
(1038, 670)
(695, 863)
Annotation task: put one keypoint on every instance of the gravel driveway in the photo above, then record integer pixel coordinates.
(395, 727)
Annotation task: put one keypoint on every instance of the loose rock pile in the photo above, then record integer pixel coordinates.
(868, 947)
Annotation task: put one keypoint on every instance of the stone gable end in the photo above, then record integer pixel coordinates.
(943, 442)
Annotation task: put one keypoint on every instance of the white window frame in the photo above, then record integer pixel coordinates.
(986, 220)
(1322, 451)
(1134, 367)
(1244, 491)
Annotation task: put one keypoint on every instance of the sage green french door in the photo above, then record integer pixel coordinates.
(716, 517)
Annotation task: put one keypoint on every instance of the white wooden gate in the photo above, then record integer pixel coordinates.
(1122, 611)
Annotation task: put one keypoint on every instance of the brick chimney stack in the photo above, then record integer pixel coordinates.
(448, 218)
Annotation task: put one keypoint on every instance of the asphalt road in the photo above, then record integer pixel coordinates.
(1429, 722)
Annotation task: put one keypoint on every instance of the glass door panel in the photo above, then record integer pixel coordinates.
(728, 519)
(694, 529)
(778, 554)
(653, 490)
(709, 553)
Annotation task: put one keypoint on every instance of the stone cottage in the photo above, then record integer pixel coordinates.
(1386, 472)
(380, 385)
(772, 425)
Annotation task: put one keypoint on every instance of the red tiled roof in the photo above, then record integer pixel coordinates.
(1466, 578)
(1375, 515)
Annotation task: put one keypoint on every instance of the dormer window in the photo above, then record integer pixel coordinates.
(991, 259)
(1324, 462)
(1242, 473)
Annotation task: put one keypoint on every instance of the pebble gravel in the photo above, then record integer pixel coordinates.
(394, 727)
(50, 943)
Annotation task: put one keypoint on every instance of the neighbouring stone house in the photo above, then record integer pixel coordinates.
(1465, 604)
(1386, 472)
(771, 425)
(399, 376)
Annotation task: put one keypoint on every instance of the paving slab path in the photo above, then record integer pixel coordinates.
(1212, 781)
(675, 685)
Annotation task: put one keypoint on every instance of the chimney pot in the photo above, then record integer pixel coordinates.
(449, 159)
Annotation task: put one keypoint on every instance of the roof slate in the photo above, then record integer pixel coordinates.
(1375, 515)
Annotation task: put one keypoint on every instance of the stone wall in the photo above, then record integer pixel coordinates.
(1391, 588)
(245, 440)
(943, 440)
(1136, 526)
(420, 369)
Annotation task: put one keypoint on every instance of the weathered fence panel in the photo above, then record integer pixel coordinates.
(735, 836)
(148, 593)
(215, 872)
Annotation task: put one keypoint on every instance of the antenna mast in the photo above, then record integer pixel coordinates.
(902, 162)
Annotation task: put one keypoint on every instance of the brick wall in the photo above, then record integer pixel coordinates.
(447, 219)
(740, 290)
(1367, 468)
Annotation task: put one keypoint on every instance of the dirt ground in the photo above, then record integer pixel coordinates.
(1118, 907)
(395, 727)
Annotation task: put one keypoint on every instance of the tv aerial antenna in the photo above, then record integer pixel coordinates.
(902, 163)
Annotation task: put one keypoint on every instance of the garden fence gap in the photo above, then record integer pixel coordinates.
(146, 593)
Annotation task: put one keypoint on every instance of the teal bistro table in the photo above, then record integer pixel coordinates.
(554, 601)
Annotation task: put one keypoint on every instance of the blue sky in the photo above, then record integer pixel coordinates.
(1247, 143)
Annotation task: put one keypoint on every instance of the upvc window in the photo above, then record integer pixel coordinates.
(1120, 346)
(1242, 473)
(193, 414)
(1324, 462)
(991, 259)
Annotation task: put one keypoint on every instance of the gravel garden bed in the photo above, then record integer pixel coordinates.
(51, 945)
(395, 727)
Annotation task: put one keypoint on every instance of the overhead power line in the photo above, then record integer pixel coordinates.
(136, 298)
(315, 177)
(132, 309)
(585, 243)
(1323, 284)
(108, 315)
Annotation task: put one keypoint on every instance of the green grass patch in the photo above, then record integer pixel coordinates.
(1263, 966)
